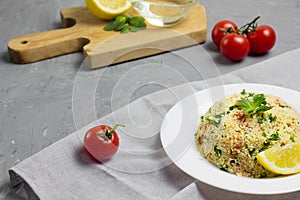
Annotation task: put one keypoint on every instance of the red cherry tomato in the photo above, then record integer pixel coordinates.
(102, 142)
(218, 30)
(262, 39)
(235, 46)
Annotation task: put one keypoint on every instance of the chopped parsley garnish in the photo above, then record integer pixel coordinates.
(260, 120)
(250, 94)
(218, 151)
(284, 106)
(267, 143)
(202, 118)
(233, 161)
(266, 146)
(220, 115)
(233, 107)
(217, 119)
(272, 118)
(223, 169)
(274, 136)
(251, 152)
(243, 92)
(213, 122)
(292, 138)
(263, 175)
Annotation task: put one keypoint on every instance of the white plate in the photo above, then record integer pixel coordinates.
(181, 123)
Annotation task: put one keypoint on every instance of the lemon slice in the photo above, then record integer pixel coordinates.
(107, 9)
(281, 159)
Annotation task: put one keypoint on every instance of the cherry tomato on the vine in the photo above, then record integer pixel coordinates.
(262, 39)
(235, 46)
(102, 142)
(219, 30)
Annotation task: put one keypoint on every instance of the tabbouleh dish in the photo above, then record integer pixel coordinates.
(234, 130)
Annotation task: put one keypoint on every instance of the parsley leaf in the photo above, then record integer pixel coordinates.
(272, 118)
(292, 138)
(266, 145)
(126, 23)
(216, 120)
(262, 108)
(217, 151)
(243, 92)
(274, 136)
(137, 22)
(110, 26)
(247, 106)
(260, 120)
(255, 104)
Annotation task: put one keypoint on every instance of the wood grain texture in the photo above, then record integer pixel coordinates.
(84, 32)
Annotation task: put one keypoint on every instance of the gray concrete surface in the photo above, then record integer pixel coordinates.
(36, 105)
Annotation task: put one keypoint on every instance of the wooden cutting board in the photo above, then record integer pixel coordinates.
(84, 32)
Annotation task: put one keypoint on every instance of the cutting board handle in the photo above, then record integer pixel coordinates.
(38, 46)
(84, 32)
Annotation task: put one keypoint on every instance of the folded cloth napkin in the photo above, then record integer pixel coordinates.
(141, 169)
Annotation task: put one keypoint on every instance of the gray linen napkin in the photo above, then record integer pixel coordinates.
(141, 169)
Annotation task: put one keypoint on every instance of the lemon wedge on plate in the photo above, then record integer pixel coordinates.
(281, 159)
(107, 9)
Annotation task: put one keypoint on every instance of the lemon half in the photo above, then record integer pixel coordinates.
(281, 159)
(107, 9)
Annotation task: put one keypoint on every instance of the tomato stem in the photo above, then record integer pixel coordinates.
(229, 30)
(116, 126)
(245, 29)
(249, 26)
(108, 133)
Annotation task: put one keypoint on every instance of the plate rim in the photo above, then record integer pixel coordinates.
(244, 180)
